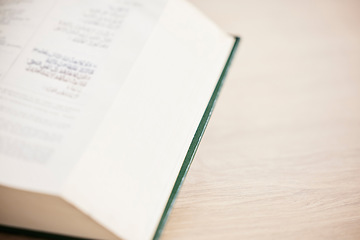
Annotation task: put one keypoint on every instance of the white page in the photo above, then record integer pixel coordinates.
(125, 177)
(61, 65)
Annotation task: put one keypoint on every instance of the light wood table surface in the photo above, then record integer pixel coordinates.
(280, 158)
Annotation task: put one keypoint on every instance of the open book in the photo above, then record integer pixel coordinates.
(102, 106)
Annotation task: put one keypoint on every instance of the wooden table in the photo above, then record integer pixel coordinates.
(281, 156)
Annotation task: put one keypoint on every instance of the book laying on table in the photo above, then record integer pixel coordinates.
(103, 104)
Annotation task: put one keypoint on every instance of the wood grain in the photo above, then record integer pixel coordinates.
(281, 156)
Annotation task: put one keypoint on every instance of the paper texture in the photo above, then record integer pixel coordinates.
(62, 64)
(140, 149)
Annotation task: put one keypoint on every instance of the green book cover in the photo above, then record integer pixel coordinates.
(195, 141)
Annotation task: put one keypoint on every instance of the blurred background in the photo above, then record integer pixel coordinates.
(281, 156)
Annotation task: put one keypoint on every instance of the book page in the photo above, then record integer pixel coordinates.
(62, 62)
(125, 177)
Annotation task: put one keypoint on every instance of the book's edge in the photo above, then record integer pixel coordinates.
(33, 213)
(195, 142)
(22, 232)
